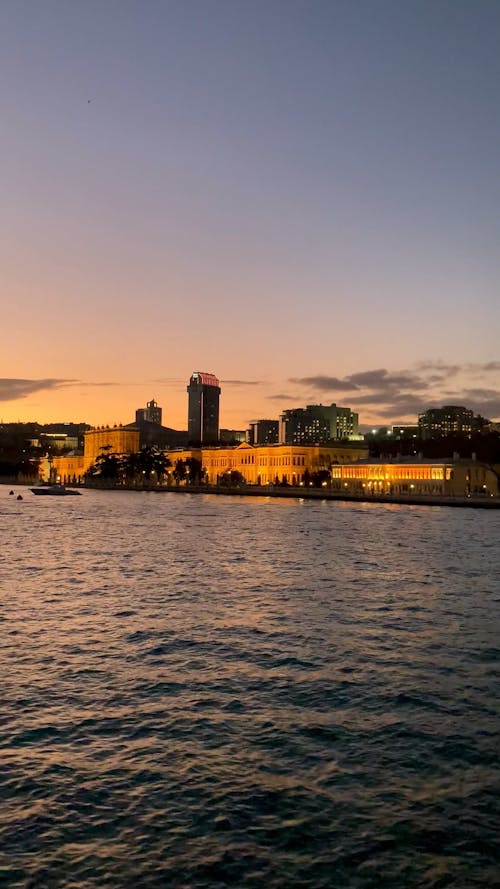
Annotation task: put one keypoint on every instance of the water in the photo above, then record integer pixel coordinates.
(210, 692)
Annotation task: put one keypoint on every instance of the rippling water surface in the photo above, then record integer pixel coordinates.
(201, 691)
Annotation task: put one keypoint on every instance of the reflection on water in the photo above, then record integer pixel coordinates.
(201, 692)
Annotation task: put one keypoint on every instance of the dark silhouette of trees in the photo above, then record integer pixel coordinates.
(180, 471)
(132, 469)
(108, 466)
(151, 461)
(320, 477)
(194, 470)
(190, 471)
(232, 479)
(161, 464)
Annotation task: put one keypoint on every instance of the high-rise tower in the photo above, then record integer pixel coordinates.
(203, 408)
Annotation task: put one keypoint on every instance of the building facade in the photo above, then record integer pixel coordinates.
(152, 413)
(438, 477)
(232, 436)
(318, 423)
(115, 439)
(263, 432)
(447, 420)
(203, 408)
(272, 464)
(348, 465)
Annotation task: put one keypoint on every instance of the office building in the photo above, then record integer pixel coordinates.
(203, 408)
(263, 432)
(317, 424)
(447, 420)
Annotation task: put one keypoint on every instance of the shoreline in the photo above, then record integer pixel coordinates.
(471, 502)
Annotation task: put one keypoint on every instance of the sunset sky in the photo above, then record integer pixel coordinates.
(302, 198)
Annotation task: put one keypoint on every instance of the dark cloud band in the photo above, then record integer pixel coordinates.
(12, 389)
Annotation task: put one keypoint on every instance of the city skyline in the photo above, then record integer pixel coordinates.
(301, 199)
(398, 396)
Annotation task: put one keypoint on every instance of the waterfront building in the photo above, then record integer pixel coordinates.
(415, 476)
(317, 424)
(152, 413)
(264, 465)
(67, 470)
(348, 464)
(203, 408)
(263, 432)
(272, 464)
(114, 439)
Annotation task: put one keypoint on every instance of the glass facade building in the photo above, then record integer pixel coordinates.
(203, 408)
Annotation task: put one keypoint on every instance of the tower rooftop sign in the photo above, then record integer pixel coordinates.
(205, 379)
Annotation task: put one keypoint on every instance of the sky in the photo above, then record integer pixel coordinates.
(302, 198)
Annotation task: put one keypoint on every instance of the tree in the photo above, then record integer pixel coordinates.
(108, 466)
(232, 479)
(141, 466)
(321, 478)
(194, 470)
(131, 468)
(180, 471)
(160, 464)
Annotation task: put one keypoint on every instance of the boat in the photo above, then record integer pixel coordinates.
(54, 490)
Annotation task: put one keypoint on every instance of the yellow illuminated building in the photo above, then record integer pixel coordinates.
(118, 439)
(115, 439)
(269, 464)
(454, 477)
(349, 468)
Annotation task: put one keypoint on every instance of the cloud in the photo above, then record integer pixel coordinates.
(181, 381)
(480, 394)
(450, 370)
(325, 384)
(382, 380)
(383, 398)
(12, 389)
(96, 383)
(400, 395)
(490, 408)
(379, 380)
(170, 381)
(241, 382)
(404, 407)
(440, 367)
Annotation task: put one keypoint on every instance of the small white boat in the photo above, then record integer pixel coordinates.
(54, 490)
